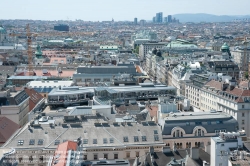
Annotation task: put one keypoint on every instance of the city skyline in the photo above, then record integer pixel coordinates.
(126, 10)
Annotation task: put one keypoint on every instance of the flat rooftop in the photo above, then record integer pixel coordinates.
(196, 116)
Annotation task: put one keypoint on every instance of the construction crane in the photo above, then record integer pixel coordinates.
(245, 56)
(29, 50)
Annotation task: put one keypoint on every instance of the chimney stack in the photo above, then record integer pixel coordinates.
(194, 153)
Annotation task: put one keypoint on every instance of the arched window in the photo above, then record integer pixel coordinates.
(199, 131)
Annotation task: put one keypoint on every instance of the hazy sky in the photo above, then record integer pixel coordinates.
(99, 10)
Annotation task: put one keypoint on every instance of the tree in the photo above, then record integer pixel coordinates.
(136, 50)
(246, 75)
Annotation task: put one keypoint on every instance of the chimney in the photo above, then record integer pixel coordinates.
(194, 153)
(205, 163)
(224, 86)
(166, 149)
(151, 150)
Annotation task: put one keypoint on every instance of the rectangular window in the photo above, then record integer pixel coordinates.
(243, 106)
(125, 139)
(127, 154)
(136, 139)
(106, 156)
(57, 142)
(243, 114)
(85, 141)
(219, 122)
(111, 140)
(198, 123)
(243, 122)
(144, 138)
(32, 142)
(95, 156)
(156, 137)
(85, 157)
(137, 154)
(40, 142)
(115, 156)
(217, 132)
(105, 140)
(94, 141)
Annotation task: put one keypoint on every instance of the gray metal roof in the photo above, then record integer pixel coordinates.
(86, 130)
(210, 121)
(115, 89)
(106, 69)
(27, 77)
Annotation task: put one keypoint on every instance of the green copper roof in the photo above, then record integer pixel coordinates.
(225, 47)
(2, 30)
(38, 52)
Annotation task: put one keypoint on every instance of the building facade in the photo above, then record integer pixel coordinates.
(194, 129)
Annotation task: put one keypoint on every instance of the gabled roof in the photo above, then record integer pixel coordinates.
(35, 97)
(7, 128)
(236, 91)
(61, 153)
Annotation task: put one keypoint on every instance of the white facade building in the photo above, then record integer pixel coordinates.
(146, 47)
(220, 149)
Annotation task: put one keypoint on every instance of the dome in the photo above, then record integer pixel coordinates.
(158, 53)
(2, 30)
(154, 51)
(225, 47)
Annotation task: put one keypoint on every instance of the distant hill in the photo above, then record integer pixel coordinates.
(202, 17)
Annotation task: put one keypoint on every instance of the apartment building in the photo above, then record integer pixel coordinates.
(227, 150)
(96, 138)
(241, 57)
(194, 129)
(15, 106)
(146, 47)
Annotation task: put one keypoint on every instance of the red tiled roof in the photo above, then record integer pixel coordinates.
(65, 73)
(152, 110)
(243, 84)
(138, 69)
(34, 97)
(237, 91)
(7, 128)
(61, 153)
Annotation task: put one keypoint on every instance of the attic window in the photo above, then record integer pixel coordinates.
(40, 142)
(136, 139)
(85, 141)
(125, 139)
(94, 141)
(20, 142)
(105, 140)
(57, 142)
(32, 142)
(156, 137)
(144, 138)
(111, 140)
